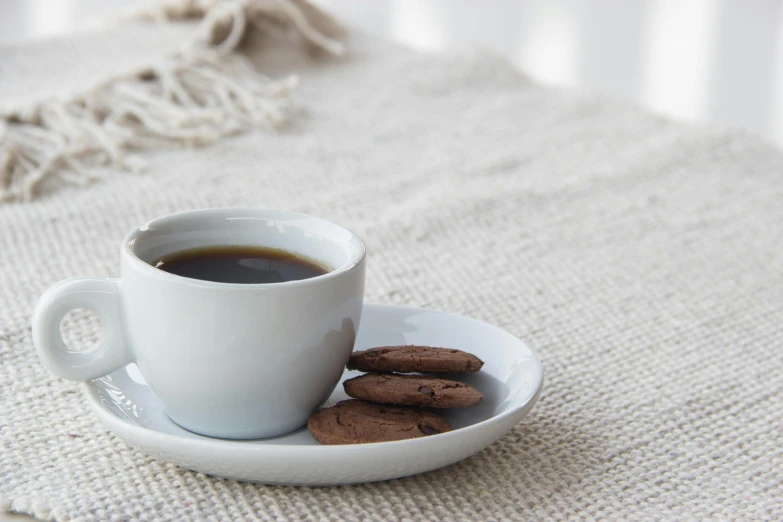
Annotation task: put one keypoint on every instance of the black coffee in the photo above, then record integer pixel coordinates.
(239, 264)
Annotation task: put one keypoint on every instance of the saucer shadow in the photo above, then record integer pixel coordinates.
(549, 457)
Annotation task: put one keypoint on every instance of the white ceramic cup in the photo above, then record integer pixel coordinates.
(227, 360)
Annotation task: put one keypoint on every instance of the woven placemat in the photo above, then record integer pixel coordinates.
(641, 258)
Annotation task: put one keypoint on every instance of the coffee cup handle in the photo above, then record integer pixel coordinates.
(101, 296)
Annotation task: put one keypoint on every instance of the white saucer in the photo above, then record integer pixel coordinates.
(510, 381)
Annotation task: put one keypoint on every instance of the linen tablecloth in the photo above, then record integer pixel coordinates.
(641, 258)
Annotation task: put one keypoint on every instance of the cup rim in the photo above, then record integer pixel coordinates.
(138, 263)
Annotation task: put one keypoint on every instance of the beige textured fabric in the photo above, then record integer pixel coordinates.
(641, 258)
(196, 94)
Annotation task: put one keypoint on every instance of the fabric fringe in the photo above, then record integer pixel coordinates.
(200, 95)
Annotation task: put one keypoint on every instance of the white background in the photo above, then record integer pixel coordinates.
(716, 62)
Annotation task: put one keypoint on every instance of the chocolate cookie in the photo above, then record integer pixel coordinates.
(408, 359)
(412, 390)
(359, 422)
